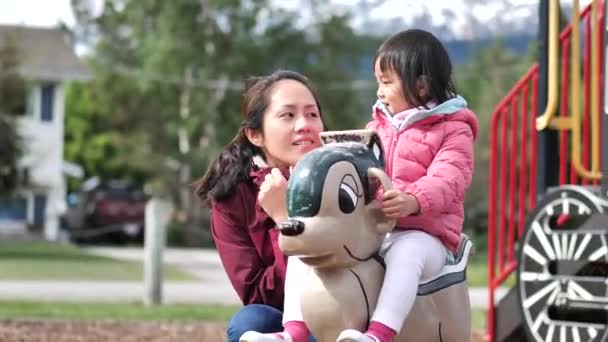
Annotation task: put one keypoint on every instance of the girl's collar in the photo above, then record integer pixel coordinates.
(380, 107)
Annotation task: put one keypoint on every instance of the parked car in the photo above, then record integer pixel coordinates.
(111, 210)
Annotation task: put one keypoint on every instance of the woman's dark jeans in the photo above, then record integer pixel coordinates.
(257, 317)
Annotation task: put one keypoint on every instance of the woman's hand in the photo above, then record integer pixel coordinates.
(273, 195)
(396, 204)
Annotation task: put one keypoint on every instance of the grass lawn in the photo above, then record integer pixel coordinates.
(43, 260)
(477, 272)
(137, 312)
(117, 312)
(479, 319)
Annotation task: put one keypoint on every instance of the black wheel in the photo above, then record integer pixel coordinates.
(562, 274)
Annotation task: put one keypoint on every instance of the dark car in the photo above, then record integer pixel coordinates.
(106, 211)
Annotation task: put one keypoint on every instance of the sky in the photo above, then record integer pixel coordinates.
(47, 13)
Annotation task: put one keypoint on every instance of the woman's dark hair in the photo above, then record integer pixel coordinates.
(234, 163)
(418, 56)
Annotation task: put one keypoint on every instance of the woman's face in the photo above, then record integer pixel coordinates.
(291, 124)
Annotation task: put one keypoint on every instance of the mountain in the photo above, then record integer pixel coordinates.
(450, 20)
(464, 26)
(461, 51)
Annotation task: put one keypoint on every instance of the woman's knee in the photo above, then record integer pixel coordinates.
(255, 317)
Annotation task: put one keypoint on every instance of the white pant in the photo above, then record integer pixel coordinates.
(409, 256)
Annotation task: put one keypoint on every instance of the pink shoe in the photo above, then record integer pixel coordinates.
(253, 336)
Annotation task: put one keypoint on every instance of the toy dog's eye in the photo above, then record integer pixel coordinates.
(347, 198)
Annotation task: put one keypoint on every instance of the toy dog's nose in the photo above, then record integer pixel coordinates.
(291, 227)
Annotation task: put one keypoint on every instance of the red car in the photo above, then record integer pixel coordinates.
(112, 210)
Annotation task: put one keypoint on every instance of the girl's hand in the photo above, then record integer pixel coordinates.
(396, 204)
(273, 195)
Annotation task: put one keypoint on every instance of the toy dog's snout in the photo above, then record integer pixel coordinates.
(291, 227)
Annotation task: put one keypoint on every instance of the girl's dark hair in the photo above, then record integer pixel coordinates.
(418, 56)
(234, 163)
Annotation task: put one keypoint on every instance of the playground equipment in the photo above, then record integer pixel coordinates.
(548, 195)
(335, 228)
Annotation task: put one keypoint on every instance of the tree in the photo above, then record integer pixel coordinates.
(168, 76)
(12, 104)
(484, 81)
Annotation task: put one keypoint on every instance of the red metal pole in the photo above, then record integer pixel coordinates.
(563, 134)
(586, 96)
(533, 148)
(512, 178)
(503, 190)
(523, 165)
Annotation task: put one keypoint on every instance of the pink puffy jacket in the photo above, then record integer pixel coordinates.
(431, 157)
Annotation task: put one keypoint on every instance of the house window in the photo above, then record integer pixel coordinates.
(39, 210)
(13, 208)
(47, 100)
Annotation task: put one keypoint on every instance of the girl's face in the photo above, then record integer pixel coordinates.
(390, 91)
(291, 124)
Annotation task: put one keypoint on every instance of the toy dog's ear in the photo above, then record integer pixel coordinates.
(384, 224)
(375, 146)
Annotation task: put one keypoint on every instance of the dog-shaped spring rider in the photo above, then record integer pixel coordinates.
(336, 229)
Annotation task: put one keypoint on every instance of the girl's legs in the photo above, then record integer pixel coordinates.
(414, 255)
(409, 256)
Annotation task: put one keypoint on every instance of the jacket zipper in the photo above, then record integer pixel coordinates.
(391, 152)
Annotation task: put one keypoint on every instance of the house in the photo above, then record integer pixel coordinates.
(46, 63)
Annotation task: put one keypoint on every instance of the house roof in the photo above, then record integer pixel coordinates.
(44, 53)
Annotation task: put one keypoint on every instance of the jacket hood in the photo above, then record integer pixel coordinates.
(454, 109)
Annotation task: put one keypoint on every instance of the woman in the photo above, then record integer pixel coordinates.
(246, 186)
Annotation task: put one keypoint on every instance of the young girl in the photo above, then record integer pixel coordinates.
(428, 135)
